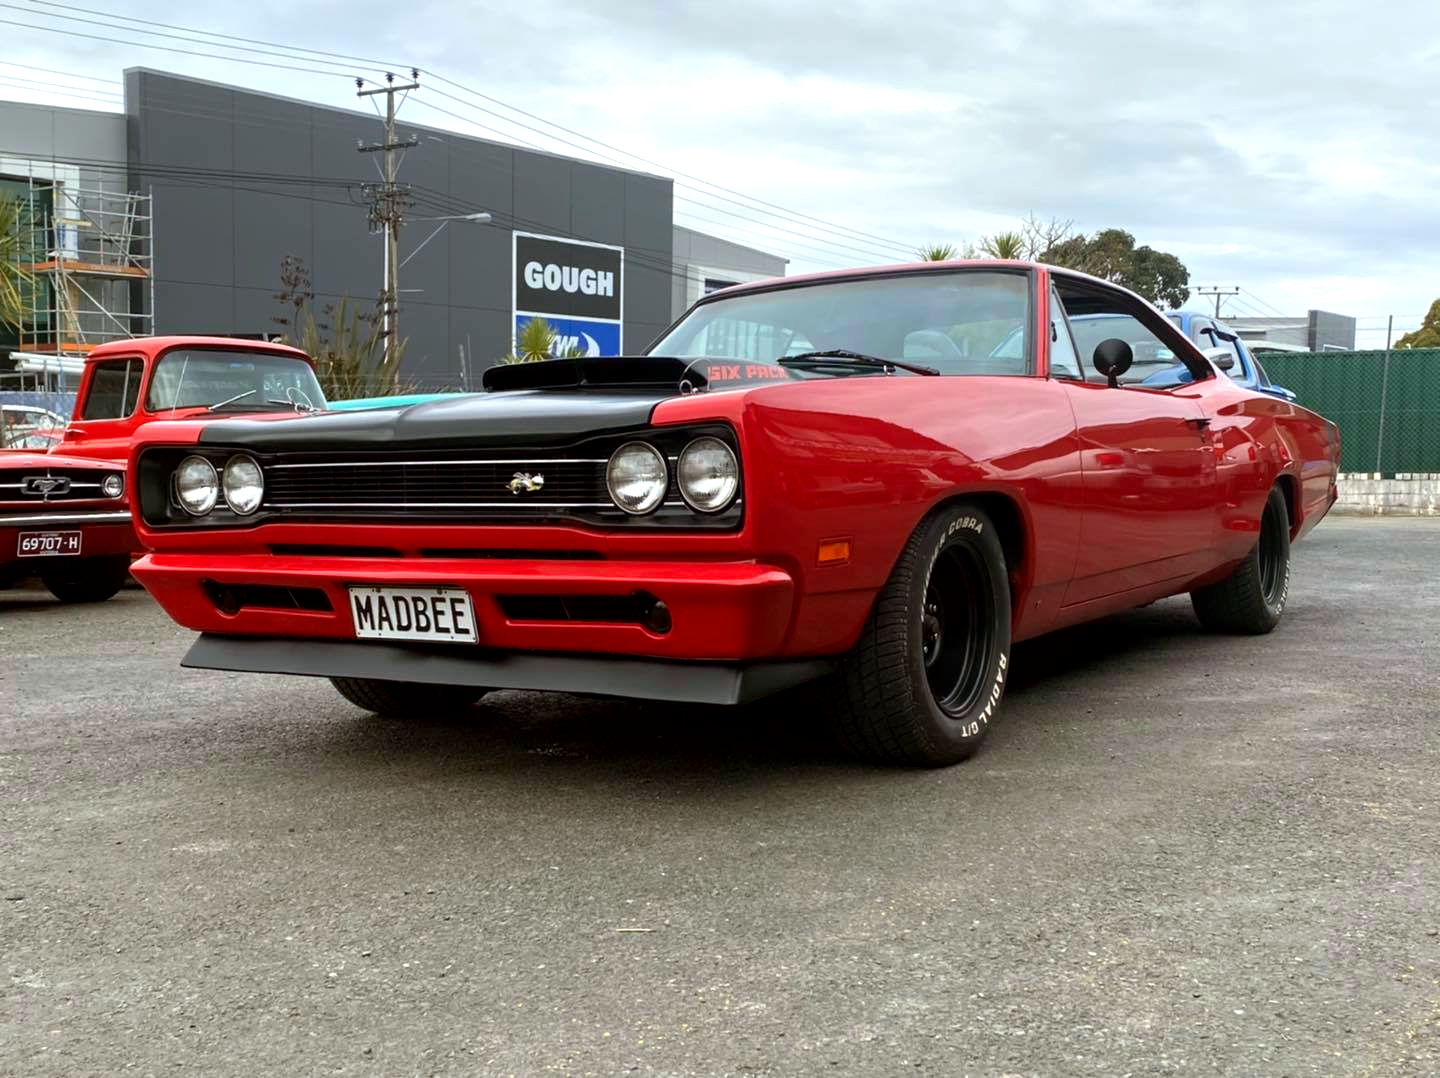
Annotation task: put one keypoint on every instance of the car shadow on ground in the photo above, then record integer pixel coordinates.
(562, 732)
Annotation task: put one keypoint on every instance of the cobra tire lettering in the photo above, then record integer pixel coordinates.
(969, 523)
(996, 689)
(1284, 590)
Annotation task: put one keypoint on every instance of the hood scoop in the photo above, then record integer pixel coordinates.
(663, 373)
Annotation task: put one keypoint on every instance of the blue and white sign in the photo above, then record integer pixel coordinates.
(584, 335)
(577, 287)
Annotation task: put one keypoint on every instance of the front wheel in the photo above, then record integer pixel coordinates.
(925, 679)
(92, 580)
(1252, 598)
(406, 699)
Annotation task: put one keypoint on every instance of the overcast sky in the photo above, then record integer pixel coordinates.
(1292, 149)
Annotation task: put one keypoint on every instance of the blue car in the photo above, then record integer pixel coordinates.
(397, 401)
(1207, 332)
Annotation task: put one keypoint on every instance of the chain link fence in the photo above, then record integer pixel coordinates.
(1386, 403)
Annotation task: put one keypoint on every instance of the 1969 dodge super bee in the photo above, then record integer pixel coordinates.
(873, 480)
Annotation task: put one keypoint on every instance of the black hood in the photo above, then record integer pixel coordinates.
(535, 417)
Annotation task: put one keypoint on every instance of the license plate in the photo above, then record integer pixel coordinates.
(434, 615)
(46, 544)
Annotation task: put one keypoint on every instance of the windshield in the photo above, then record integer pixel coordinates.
(248, 381)
(965, 322)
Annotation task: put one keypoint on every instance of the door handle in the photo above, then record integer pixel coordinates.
(1199, 422)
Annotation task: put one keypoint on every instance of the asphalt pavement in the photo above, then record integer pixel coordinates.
(1176, 854)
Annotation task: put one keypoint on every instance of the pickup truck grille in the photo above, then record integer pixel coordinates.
(566, 483)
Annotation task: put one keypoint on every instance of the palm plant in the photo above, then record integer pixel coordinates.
(937, 252)
(1003, 245)
(15, 280)
(536, 342)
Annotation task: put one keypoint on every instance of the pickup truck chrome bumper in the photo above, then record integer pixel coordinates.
(58, 520)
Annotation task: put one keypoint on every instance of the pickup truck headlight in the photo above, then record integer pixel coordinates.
(113, 485)
(244, 485)
(709, 475)
(637, 477)
(196, 486)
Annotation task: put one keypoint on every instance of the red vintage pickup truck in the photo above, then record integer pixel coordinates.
(64, 515)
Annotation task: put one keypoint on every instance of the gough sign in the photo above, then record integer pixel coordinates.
(577, 287)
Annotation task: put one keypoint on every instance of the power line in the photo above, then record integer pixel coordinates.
(334, 58)
(164, 48)
(1262, 303)
(83, 93)
(52, 71)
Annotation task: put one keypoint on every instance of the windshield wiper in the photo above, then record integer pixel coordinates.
(230, 400)
(299, 406)
(818, 361)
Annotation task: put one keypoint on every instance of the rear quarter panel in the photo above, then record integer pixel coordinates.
(1259, 438)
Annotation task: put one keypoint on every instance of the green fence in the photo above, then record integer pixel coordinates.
(1386, 404)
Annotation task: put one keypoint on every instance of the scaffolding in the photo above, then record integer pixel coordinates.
(89, 250)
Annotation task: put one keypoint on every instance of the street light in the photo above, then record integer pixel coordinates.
(477, 218)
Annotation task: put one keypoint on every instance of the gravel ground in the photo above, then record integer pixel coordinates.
(1177, 854)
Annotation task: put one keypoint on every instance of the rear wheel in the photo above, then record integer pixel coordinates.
(1252, 598)
(924, 681)
(91, 580)
(406, 699)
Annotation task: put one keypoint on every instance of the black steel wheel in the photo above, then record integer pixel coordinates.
(925, 679)
(1252, 598)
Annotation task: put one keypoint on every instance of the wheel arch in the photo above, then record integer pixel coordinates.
(1290, 487)
(1012, 528)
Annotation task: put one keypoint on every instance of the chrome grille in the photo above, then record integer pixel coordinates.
(569, 483)
(18, 486)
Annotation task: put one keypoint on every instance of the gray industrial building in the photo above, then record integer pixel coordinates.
(1315, 331)
(230, 182)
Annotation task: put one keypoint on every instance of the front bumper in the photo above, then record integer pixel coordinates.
(722, 611)
(102, 535)
(605, 675)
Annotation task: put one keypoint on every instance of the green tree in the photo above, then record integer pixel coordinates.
(1428, 335)
(346, 341)
(1111, 255)
(536, 342)
(15, 280)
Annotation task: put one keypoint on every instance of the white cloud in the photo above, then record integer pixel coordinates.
(1288, 148)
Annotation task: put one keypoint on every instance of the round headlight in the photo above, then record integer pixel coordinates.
(113, 485)
(244, 485)
(196, 485)
(709, 475)
(637, 477)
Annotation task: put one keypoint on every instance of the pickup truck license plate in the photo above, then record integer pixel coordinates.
(46, 544)
(434, 615)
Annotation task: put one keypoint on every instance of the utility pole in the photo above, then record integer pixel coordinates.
(1218, 293)
(388, 202)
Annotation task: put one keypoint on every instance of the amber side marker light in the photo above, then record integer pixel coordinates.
(833, 552)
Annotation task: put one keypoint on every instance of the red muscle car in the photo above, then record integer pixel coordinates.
(67, 521)
(874, 480)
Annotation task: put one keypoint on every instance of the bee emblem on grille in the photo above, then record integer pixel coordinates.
(525, 483)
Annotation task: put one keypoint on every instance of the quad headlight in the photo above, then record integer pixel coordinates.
(637, 477)
(709, 475)
(113, 485)
(244, 485)
(197, 486)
